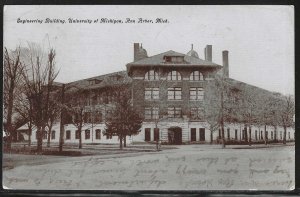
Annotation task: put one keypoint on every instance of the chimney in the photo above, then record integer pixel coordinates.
(136, 47)
(225, 64)
(208, 53)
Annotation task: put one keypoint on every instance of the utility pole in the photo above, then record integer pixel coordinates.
(61, 136)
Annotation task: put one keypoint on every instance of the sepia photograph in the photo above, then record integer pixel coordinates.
(156, 98)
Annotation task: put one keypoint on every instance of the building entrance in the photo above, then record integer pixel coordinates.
(175, 135)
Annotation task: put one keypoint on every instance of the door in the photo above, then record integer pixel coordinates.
(202, 134)
(193, 134)
(175, 135)
(147, 134)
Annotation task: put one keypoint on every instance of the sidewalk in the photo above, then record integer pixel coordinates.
(258, 146)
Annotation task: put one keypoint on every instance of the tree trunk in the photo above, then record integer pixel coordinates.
(29, 136)
(9, 115)
(249, 135)
(275, 133)
(125, 141)
(61, 128)
(49, 136)
(80, 139)
(284, 135)
(266, 140)
(121, 140)
(39, 131)
(246, 134)
(211, 136)
(223, 136)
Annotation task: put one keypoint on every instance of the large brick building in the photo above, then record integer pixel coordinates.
(168, 90)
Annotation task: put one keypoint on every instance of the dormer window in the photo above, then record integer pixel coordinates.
(94, 81)
(173, 59)
(115, 77)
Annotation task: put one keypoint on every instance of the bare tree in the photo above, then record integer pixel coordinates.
(53, 116)
(287, 112)
(77, 103)
(219, 105)
(13, 69)
(39, 78)
(124, 120)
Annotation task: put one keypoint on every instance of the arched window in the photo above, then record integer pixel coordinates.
(151, 75)
(196, 76)
(174, 76)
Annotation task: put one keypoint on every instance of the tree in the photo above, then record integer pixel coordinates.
(124, 120)
(13, 69)
(53, 116)
(219, 105)
(77, 109)
(38, 79)
(249, 109)
(286, 112)
(24, 110)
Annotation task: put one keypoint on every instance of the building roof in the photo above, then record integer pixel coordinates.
(116, 78)
(242, 85)
(158, 60)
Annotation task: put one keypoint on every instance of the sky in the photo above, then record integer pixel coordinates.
(260, 39)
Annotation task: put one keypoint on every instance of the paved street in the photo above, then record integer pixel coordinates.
(190, 167)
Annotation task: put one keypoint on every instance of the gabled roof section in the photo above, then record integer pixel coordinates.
(242, 85)
(116, 78)
(158, 60)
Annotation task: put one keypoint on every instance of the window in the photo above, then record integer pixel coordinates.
(87, 134)
(108, 113)
(174, 93)
(98, 117)
(151, 75)
(193, 134)
(289, 135)
(196, 76)
(87, 117)
(68, 134)
(197, 113)
(228, 133)
(77, 134)
(261, 135)
(174, 76)
(156, 134)
(272, 135)
(196, 94)
(267, 135)
(281, 135)
(151, 93)
(147, 134)
(173, 59)
(53, 135)
(45, 135)
(151, 113)
(98, 134)
(174, 112)
(108, 137)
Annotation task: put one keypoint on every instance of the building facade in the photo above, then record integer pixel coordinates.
(168, 90)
